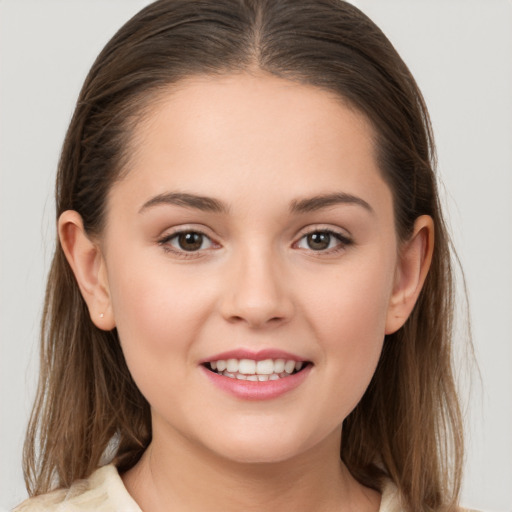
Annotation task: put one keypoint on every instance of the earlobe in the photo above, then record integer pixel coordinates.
(87, 263)
(412, 269)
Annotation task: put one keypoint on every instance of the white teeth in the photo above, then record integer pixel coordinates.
(247, 366)
(265, 367)
(289, 366)
(279, 365)
(249, 369)
(232, 365)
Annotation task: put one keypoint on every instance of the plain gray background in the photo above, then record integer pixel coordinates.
(460, 52)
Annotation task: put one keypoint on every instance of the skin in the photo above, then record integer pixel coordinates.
(258, 144)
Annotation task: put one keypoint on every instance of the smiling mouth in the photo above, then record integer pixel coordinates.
(257, 371)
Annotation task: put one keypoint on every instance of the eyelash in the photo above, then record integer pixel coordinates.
(344, 241)
(164, 242)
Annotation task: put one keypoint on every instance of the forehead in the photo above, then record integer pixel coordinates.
(258, 135)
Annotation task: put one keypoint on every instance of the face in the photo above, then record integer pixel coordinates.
(251, 256)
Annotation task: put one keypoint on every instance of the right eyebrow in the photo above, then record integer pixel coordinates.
(203, 203)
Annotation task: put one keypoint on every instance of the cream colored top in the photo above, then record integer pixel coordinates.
(104, 491)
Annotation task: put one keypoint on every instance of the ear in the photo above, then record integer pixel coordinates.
(413, 264)
(86, 260)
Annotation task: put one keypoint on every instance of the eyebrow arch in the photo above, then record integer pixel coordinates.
(207, 204)
(323, 201)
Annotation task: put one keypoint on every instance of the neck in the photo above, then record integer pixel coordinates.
(192, 479)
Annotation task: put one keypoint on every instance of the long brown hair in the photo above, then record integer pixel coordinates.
(408, 426)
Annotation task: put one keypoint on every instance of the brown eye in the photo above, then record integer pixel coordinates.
(323, 241)
(318, 241)
(188, 241)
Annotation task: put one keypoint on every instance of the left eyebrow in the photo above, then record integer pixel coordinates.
(315, 203)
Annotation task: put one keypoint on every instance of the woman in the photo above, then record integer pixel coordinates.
(252, 275)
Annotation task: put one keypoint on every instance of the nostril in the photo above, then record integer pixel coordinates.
(255, 319)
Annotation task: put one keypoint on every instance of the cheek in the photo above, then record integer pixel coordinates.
(352, 302)
(349, 315)
(149, 301)
(157, 314)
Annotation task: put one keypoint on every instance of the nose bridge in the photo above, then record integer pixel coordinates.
(257, 291)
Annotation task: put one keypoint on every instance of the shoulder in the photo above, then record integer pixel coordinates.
(103, 491)
(390, 501)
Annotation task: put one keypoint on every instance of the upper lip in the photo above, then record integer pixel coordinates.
(260, 355)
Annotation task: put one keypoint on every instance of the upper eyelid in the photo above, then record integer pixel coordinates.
(324, 229)
(173, 231)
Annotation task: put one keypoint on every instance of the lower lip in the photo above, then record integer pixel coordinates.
(258, 390)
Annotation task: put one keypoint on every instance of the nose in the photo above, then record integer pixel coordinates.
(257, 291)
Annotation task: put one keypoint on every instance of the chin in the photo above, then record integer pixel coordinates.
(258, 448)
(261, 455)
